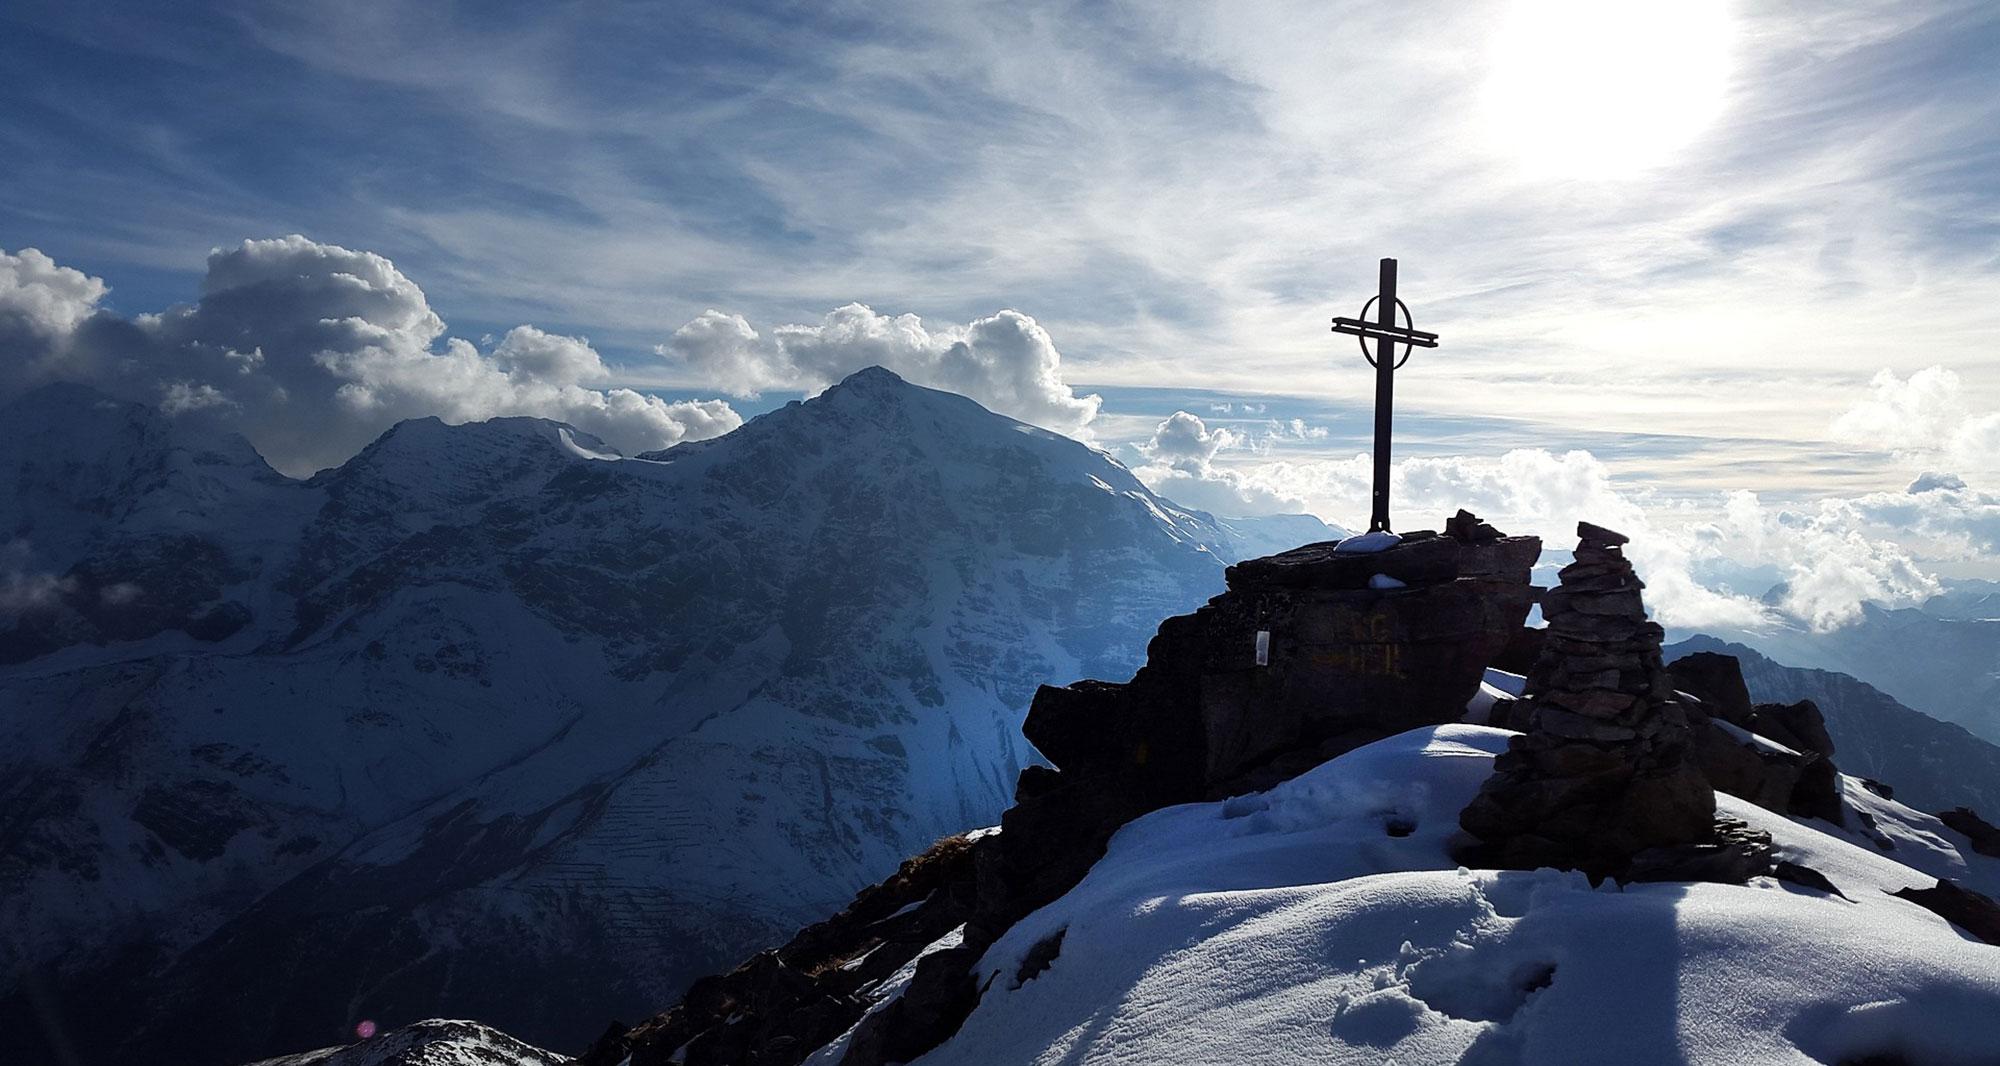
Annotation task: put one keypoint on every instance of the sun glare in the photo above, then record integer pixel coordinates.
(1606, 88)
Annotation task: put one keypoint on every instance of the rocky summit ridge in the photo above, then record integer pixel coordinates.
(1310, 653)
(1614, 771)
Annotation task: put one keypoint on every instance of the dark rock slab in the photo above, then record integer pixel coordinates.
(1960, 906)
(1717, 681)
(1985, 837)
(1732, 855)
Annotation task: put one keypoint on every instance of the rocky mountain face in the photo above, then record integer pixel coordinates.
(492, 722)
(1933, 765)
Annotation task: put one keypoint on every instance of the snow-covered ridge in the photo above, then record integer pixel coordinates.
(1325, 921)
(435, 1042)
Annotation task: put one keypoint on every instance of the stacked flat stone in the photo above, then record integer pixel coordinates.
(1603, 770)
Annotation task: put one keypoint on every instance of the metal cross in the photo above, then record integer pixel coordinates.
(1387, 334)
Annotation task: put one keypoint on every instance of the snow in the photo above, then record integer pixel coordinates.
(437, 1042)
(1512, 684)
(1495, 686)
(1384, 581)
(1752, 740)
(1379, 540)
(584, 446)
(1325, 921)
(881, 995)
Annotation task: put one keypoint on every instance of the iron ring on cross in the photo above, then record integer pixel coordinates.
(1410, 323)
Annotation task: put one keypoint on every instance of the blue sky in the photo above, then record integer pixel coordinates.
(1689, 239)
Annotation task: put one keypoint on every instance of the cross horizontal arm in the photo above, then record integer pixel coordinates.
(1398, 334)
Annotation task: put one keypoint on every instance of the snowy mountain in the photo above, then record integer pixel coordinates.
(1326, 921)
(492, 722)
(435, 1042)
(1258, 536)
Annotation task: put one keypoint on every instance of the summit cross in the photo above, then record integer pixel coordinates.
(1386, 334)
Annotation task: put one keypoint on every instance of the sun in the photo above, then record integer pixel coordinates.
(1606, 88)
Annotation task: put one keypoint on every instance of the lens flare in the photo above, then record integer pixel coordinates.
(364, 1029)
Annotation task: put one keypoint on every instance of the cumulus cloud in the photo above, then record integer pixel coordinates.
(1006, 361)
(1830, 563)
(312, 350)
(1185, 443)
(1939, 515)
(1180, 465)
(41, 306)
(1297, 429)
(1826, 561)
(1927, 418)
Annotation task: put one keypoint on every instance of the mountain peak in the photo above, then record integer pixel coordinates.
(64, 428)
(876, 387)
(873, 377)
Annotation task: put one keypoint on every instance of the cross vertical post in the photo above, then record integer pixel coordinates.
(1385, 394)
(1386, 333)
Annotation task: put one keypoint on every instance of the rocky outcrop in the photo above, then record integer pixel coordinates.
(1983, 835)
(1310, 653)
(1936, 766)
(1604, 769)
(782, 1004)
(1960, 906)
(1789, 770)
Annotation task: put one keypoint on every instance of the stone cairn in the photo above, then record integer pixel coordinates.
(1603, 770)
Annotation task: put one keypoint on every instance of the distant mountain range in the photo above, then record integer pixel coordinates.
(1932, 765)
(1942, 658)
(490, 721)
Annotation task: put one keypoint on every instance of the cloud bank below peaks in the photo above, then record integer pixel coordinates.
(1005, 361)
(1709, 562)
(1180, 464)
(311, 351)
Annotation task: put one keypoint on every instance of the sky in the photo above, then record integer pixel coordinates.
(1725, 272)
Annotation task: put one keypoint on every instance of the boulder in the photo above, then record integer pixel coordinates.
(1960, 906)
(1717, 681)
(1798, 726)
(1985, 838)
(1804, 783)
